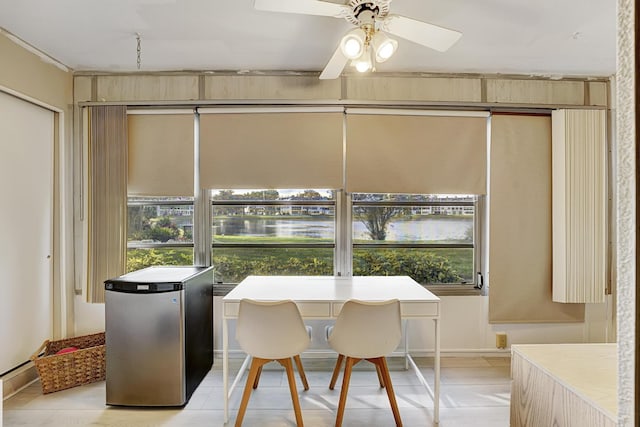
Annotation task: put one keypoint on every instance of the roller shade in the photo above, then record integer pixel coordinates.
(520, 254)
(160, 153)
(271, 149)
(416, 152)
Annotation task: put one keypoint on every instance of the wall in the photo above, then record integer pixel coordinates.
(465, 329)
(37, 79)
(418, 89)
(30, 75)
(27, 75)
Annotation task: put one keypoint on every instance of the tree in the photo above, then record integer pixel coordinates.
(376, 219)
(224, 195)
(163, 230)
(166, 222)
(139, 220)
(135, 221)
(163, 234)
(261, 195)
(308, 195)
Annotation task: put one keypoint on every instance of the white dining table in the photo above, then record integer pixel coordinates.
(322, 297)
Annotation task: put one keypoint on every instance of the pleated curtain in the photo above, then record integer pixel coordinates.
(107, 197)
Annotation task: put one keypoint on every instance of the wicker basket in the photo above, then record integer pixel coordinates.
(62, 371)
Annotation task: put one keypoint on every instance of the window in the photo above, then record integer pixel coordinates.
(160, 231)
(272, 232)
(428, 237)
(308, 230)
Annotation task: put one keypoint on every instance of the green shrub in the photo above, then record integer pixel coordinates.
(234, 268)
(423, 267)
(141, 258)
(163, 234)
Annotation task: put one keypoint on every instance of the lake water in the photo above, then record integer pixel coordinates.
(429, 229)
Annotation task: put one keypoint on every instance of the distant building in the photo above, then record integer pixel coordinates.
(177, 210)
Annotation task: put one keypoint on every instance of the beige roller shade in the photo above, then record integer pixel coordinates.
(160, 154)
(520, 224)
(427, 154)
(271, 150)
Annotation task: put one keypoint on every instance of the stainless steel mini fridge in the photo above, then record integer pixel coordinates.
(159, 334)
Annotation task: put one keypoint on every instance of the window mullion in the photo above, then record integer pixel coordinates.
(201, 206)
(343, 265)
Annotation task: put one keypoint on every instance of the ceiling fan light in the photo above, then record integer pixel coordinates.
(383, 46)
(364, 62)
(362, 66)
(386, 50)
(352, 48)
(352, 44)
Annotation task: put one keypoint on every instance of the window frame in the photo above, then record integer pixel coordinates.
(474, 287)
(160, 245)
(343, 245)
(223, 203)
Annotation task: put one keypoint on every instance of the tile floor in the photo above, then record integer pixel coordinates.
(474, 392)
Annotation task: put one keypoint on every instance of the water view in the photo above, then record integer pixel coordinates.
(427, 229)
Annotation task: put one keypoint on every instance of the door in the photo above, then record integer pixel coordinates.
(26, 224)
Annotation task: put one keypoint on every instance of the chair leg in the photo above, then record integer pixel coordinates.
(255, 383)
(346, 377)
(303, 377)
(336, 371)
(292, 388)
(380, 379)
(256, 365)
(382, 362)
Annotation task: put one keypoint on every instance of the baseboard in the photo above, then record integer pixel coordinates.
(327, 354)
(18, 379)
(467, 352)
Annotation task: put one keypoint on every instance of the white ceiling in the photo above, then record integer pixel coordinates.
(534, 37)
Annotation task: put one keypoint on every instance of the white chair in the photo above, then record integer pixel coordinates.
(296, 359)
(271, 331)
(369, 331)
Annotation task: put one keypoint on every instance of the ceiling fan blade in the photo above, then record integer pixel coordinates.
(335, 66)
(308, 7)
(429, 35)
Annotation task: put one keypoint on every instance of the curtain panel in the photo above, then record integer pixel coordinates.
(579, 206)
(107, 197)
(520, 252)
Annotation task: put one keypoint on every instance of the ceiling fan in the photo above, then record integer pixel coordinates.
(368, 43)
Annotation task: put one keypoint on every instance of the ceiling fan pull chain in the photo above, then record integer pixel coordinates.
(138, 50)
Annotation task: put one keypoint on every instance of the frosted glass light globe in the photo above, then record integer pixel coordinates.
(352, 47)
(352, 44)
(386, 50)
